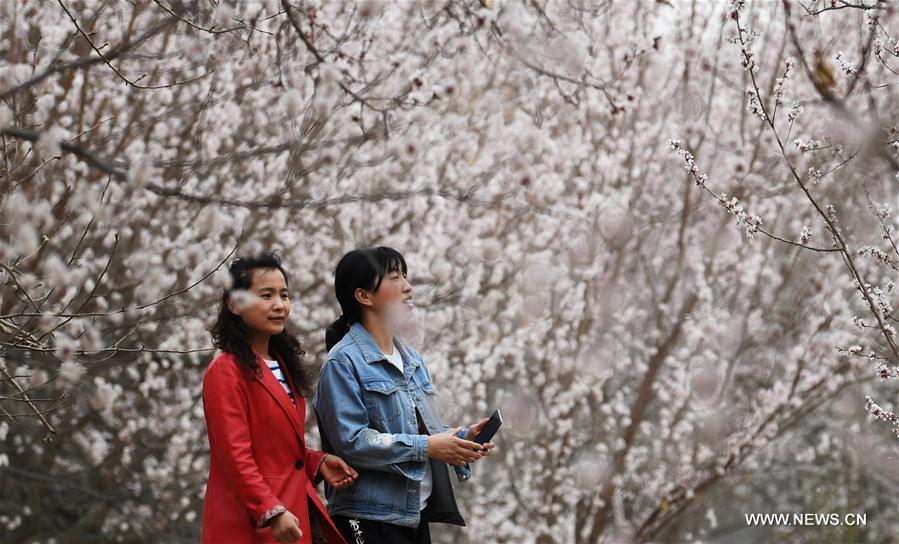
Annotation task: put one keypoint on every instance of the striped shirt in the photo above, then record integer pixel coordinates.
(276, 370)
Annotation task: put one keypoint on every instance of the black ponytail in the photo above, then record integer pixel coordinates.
(336, 331)
(360, 268)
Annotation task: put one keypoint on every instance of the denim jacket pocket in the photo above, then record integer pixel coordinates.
(428, 399)
(383, 401)
(429, 388)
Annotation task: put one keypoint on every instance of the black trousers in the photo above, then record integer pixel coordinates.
(366, 531)
(315, 524)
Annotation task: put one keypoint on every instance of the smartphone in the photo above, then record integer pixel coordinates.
(490, 428)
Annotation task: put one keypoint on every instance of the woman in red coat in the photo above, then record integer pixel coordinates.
(262, 476)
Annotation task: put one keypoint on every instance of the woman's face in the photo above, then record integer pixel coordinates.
(393, 299)
(265, 306)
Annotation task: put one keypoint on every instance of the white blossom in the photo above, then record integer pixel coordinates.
(38, 378)
(49, 141)
(442, 271)
(243, 299)
(66, 348)
(56, 272)
(292, 103)
(221, 279)
(140, 172)
(6, 117)
(69, 373)
(370, 8)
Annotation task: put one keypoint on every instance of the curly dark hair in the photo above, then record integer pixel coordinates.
(230, 333)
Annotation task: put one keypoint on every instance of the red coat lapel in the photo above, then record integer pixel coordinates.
(271, 383)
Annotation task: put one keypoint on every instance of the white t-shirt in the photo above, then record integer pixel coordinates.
(395, 358)
(426, 482)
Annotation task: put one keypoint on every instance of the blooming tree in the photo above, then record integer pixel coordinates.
(657, 235)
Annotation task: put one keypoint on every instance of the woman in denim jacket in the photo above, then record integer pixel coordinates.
(376, 408)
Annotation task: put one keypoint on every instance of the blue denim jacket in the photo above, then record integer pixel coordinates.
(366, 409)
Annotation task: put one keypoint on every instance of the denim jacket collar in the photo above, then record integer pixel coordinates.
(371, 352)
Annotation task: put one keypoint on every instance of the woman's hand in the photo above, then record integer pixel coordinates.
(336, 472)
(286, 528)
(452, 449)
(473, 433)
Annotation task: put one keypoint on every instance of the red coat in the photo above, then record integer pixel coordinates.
(258, 455)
